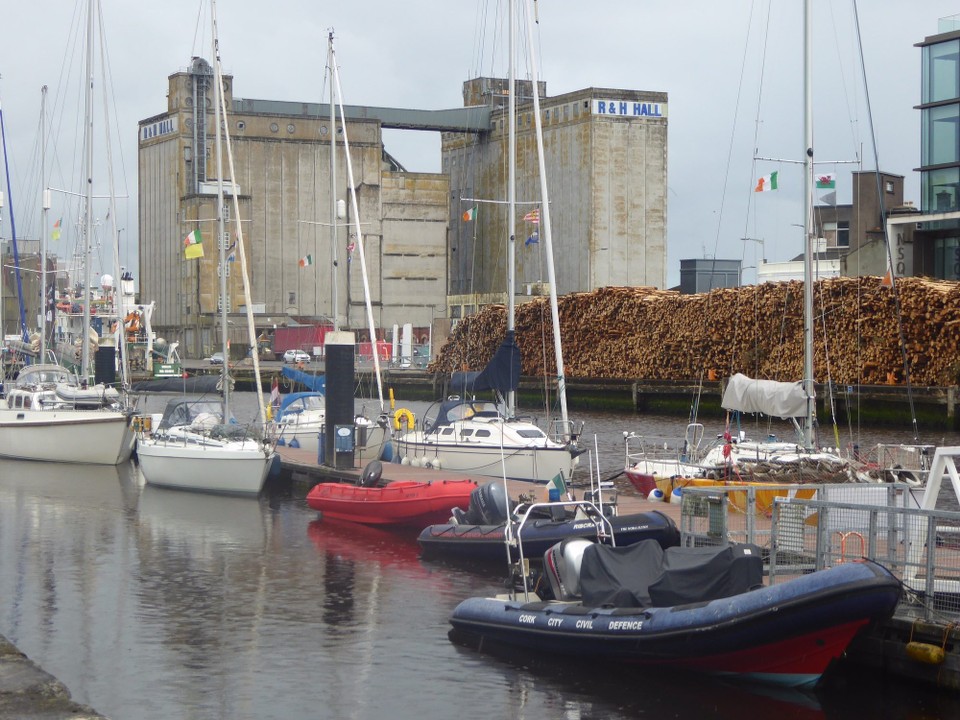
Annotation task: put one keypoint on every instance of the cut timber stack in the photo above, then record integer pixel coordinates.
(644, 333)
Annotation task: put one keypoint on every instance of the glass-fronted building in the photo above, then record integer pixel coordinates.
(940, 148)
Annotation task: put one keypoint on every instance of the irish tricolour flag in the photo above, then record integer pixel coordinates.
(305, 261)
(557, 488)
(193, 245)
(766, 183)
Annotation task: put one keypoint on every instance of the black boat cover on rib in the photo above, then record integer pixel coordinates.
(699, 574)
(645, 575)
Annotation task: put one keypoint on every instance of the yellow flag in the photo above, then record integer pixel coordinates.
(193, 245)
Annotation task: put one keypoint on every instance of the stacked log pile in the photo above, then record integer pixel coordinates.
(644, 333)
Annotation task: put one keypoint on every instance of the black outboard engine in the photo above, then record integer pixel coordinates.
(488, 506)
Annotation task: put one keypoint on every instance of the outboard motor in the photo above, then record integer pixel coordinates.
(488, 506)
(561, 565)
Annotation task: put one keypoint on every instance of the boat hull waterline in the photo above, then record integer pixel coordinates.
(90, 437)
(190, 466)
(404, 502)
(785, 634)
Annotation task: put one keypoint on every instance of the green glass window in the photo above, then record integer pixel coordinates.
(941, 135)
(940, 189)
(946, 260)
(941, 71)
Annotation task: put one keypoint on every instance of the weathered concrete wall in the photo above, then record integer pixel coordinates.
(415, 211)
(606, 179)
(282, 169)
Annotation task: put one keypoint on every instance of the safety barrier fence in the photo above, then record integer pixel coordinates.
(803, 528)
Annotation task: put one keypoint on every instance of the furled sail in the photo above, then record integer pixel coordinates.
(777, 399)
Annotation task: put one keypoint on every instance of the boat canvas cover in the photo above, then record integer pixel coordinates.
(183, 412)
(646, 575)
(502, 373)
(195, 384)
(783, 400)
(299, 401)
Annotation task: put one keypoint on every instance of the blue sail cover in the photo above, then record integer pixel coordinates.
(316, 383)
(502, 373)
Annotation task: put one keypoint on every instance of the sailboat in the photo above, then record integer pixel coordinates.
(48, 413)
(488, 438)
(737, 457)
(301, 416)
(196, 446)
(702, 609)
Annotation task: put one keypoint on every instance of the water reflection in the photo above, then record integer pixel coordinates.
(152, 603)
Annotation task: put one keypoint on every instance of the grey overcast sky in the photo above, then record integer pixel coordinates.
(732, 71)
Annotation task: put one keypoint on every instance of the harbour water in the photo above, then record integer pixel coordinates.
(150, 603)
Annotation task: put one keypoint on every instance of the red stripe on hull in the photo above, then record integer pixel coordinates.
(804, 656)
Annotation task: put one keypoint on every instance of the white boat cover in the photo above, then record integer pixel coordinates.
(777, 399)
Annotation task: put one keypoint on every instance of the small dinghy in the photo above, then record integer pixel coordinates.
(702, 609)
(399, 503)
(479, 533)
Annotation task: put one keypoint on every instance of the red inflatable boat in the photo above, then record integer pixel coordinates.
(403, 502)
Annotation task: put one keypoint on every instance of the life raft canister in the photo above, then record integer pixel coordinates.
(403, 415)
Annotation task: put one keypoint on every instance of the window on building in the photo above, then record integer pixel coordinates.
(941, 71)
(889, 187)
(940, 136)
(946, 258)
(940, 189)
(829, 233)
(843, 233)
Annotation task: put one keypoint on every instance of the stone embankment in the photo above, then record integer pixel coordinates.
(648, 334)
(27, 691)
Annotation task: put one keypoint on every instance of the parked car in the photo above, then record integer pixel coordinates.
(296, 356)
(216, 358)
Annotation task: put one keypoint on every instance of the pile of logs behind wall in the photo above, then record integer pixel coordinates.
(644, 333)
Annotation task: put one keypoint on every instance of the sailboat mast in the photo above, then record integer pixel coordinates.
(13, 231)
(808, 384)
(120, 334)
(356, 225)
(45, 207)
(545, 227)
(333, 189)
(88, 220)
(222, 256)
(511, 189)
(241, 251)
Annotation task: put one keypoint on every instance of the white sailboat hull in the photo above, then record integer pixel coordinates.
(535, 464)
(238, 468)
(92, 437)
(309, 439)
